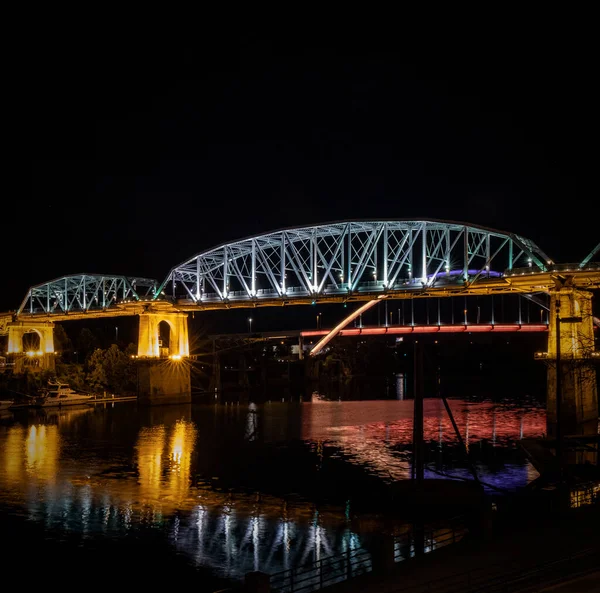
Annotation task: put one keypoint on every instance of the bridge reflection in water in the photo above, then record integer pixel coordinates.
(108, 472)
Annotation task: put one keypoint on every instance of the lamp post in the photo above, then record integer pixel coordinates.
(249, 325)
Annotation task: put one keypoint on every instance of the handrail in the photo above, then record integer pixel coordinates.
(353, 562)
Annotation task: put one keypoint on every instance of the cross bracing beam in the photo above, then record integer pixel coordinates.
(589, 256)
(350, 257)
(80, 293)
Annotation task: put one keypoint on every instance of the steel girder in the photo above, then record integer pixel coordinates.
(589, 256)
(349, 257)
(86, 292)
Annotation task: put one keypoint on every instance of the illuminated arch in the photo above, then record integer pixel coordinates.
(149, 333)
(346, 257)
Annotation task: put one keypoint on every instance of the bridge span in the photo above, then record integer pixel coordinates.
(337, 262)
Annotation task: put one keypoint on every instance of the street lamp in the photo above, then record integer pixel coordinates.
(318, 320)
(465, 317)
(249, 325)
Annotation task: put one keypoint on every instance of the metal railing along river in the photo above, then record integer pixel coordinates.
(356, 561)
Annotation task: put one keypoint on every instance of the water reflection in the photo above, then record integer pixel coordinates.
(41, 452)
(150, 447)
(378, 434)
(108, 471)
(164, 457)
(31, 454)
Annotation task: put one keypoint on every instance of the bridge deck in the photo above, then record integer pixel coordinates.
(520, 282)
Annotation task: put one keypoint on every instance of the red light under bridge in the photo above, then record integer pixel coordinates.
(431, 329)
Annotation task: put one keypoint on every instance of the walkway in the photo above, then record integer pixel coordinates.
(589, 583)
(467, 566)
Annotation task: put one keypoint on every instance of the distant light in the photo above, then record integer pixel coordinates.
(175, 357)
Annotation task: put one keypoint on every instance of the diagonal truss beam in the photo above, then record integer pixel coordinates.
(589, 256)
(80, 293)
(308, 260)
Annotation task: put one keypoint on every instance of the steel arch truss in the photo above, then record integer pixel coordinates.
(349, 257)
(86, 292)
(590, 255)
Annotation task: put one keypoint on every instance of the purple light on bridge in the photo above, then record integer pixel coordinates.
(451, 273)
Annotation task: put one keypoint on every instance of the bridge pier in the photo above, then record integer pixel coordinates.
(164, 382)
(571, 309)
(44, 354)
(161, 380)
(149, 335)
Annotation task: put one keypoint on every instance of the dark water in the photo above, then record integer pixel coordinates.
(231, 489)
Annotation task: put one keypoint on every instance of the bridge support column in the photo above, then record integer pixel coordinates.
(215, 387)
(44, 354)
(164, 382)
(148, 338)
(579, 401)
(243, 380)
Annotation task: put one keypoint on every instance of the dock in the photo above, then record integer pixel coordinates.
(116, 398)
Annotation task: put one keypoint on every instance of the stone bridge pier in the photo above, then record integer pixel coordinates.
(163, 372)
(571, 341)
(40, 357)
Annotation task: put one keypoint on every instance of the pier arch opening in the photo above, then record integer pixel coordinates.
(165, 331)
(32, 342)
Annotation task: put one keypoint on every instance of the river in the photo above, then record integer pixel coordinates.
(228, 489)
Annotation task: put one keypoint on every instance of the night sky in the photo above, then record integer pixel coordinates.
(141, 158)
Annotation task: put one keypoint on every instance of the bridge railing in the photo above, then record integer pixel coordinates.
(569, 267)
(329, 289)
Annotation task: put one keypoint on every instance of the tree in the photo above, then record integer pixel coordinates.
(111, 369)
(96, 374)
(86, 344)
(72, 374)
(62, 344)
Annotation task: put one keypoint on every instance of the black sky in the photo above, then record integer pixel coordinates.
(141, 156)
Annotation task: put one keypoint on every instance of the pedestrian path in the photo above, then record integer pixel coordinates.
(469, 565)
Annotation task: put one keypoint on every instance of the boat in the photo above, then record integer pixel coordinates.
(60, 394)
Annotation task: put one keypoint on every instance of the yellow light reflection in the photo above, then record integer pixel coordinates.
(42, 451)
(150, 447)
(182, 441)
(13, 453)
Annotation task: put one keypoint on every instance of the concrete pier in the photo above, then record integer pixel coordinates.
(578, 359)
(164, 382)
